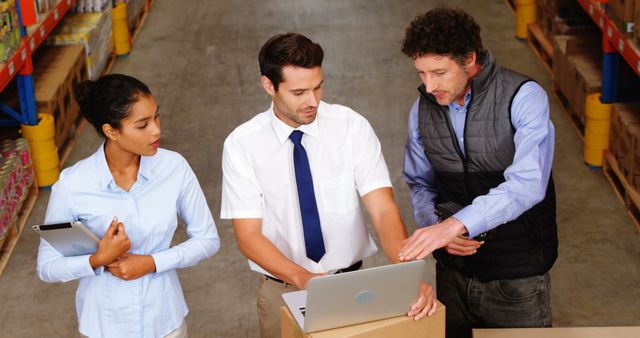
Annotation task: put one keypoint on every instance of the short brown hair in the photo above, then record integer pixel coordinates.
(291, 49)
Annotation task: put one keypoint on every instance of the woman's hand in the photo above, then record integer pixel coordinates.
(425, 305)
(131, 266)
(114, 244)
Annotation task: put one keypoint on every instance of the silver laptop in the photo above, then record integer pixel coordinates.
(356, 297)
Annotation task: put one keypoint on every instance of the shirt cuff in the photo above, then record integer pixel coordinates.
(79, 266)
(165, 260)
(473, 220)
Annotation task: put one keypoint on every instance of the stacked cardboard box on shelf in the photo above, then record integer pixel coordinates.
(625, 140)
(56, 72)
(622, 13)
(636, 25)
(134, 9)
(588, 79)
(577, 69)
(91, 30)
(563, 17)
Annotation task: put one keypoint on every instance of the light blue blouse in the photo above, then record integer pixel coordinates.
(166, 187)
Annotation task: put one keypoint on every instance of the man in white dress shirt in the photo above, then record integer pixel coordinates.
(293, 177)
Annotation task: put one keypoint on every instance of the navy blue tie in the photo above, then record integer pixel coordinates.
(313, 240)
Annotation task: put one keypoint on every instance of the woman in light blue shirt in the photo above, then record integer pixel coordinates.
(129, 193)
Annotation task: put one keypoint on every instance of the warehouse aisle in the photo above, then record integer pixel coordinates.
(200, 60)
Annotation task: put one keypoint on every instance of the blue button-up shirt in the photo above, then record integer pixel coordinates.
(153, 305)
(526, 178)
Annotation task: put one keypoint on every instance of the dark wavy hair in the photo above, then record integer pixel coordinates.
(446, 31)
(109, 99)
(290, 49)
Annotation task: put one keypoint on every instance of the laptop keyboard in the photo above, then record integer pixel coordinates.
(304, 311)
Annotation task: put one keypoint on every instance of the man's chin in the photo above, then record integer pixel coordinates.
(307, 119)
(443, 102)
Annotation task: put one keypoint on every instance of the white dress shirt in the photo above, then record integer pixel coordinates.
(346, 162)
(153, 305)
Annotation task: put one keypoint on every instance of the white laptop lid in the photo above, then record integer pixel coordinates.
(356, 297)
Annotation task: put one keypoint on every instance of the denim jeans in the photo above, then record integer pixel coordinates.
(505, 303)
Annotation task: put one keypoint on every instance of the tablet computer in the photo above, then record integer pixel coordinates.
(70, 238)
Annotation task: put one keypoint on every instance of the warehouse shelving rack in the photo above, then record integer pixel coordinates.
(20, 65)
(615, 46)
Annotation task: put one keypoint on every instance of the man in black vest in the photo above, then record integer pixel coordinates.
(478, 162)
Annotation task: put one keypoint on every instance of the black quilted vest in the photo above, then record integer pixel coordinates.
(523, 247)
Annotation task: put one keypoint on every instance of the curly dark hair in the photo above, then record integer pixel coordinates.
(446, 31)
(291, 49)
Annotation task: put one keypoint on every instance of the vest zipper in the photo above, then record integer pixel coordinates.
(456, 144)
(454, 138)
(466, 153)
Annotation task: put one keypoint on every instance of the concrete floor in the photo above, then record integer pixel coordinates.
(200, 60)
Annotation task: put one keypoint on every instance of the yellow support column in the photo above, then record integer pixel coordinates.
(596, 133)
(121, 37)
(525, 15)
(44, 152)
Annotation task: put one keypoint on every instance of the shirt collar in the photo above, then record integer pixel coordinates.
(145, 172)
(283, 130)
(467, 99)
(103, 168)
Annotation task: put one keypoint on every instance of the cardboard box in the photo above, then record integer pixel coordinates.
(625, 140)
(561, 72)
(622, 13)
(588, 80)
(562, 17)
(56, 72)
(627, 152)
(636, 24)
(403, 326)
(565, 78)
(560, 332)
(620, 119)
